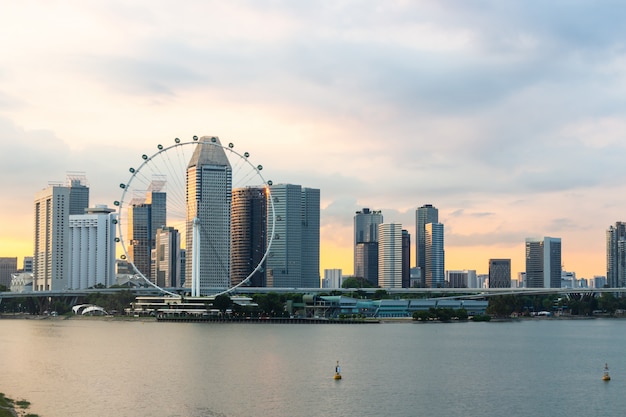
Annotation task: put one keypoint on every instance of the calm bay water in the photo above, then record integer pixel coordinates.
(131, 368)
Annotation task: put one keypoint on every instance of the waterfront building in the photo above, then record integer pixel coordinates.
(52, 208)
(248, 235)
(208, 190)
(616, 255)
(294, 258)
(406, 259)
(332, 278)
(423, 215)
(499, 273)
(145, 216)
(435, 255)
(366, 223)
(166, 258)
(543, 262)
(8, 266)
(390, 255)
(92, 248)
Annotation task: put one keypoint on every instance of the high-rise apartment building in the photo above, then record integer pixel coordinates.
(423, 215)
(248, 235)
(52, 208)
(543, 262)
(92, 248)
(366, 244)
(390, 255)
(434, 255)
(166, 264)
(499, 273)
(294, 259)
(616, 255)
(209, 186)
(145, 216)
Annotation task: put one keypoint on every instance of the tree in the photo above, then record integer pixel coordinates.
(222, 302)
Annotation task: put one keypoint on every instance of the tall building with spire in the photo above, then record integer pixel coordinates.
(248, 235)
(366, 224)
(52, 208)
(423, 215)
(209, 185)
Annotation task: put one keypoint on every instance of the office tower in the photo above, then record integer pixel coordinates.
(183, 268)
(616, 255)
(145, 216)
(8, 266)
(390, 255)
(423, 215)
(434, 255)
(543, 262)
(28, 264)
(499, 273)
(406, 259)
(366, 244)
(209, 185)
(51, 234)
(92, 248)
(248, 236)
(166, 254)
(293, 260)
(332, 278)
(461, 279)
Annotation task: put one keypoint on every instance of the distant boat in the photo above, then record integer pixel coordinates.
(605, 375)
(337, 371)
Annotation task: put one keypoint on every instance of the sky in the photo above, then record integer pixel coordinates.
(509, 117)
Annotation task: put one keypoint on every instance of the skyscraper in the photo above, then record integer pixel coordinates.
(366, 244)
(499, 273)
(435, 256)
(145, 216)
(8, 266)
(167, 260)
(543, 262)
(423, 215)
(53, 206)
(406, 259)
(390, 255)
(248, 235)
(209, 185)
(293, 260)
(616, 255)
(92, 248)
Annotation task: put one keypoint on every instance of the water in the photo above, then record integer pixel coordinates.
(132, 368)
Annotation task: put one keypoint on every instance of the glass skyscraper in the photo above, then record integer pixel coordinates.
(209, 185)
(543, 262)
(435, 255)
(616, 255)
(366, 224)
(423, 215)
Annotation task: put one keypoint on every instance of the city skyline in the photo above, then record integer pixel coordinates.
(510, 125)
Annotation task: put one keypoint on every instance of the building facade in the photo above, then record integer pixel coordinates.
(52, 208)
(92, 248)
(616, 255)
(248, 235)
(406, 259)
(499, 273)
(423, 215)
(8, 267)
(435, 256)
(294, 257)
(332, 278)
(543, 262)
(208, 190)
(390, 255)
(166, 264)
(366, 223)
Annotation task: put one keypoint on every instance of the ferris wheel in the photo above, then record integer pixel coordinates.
(196, 211)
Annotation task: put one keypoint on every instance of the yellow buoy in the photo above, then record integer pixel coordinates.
(605, 375)
(337, 371)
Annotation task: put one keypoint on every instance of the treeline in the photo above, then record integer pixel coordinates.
(574, 304)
